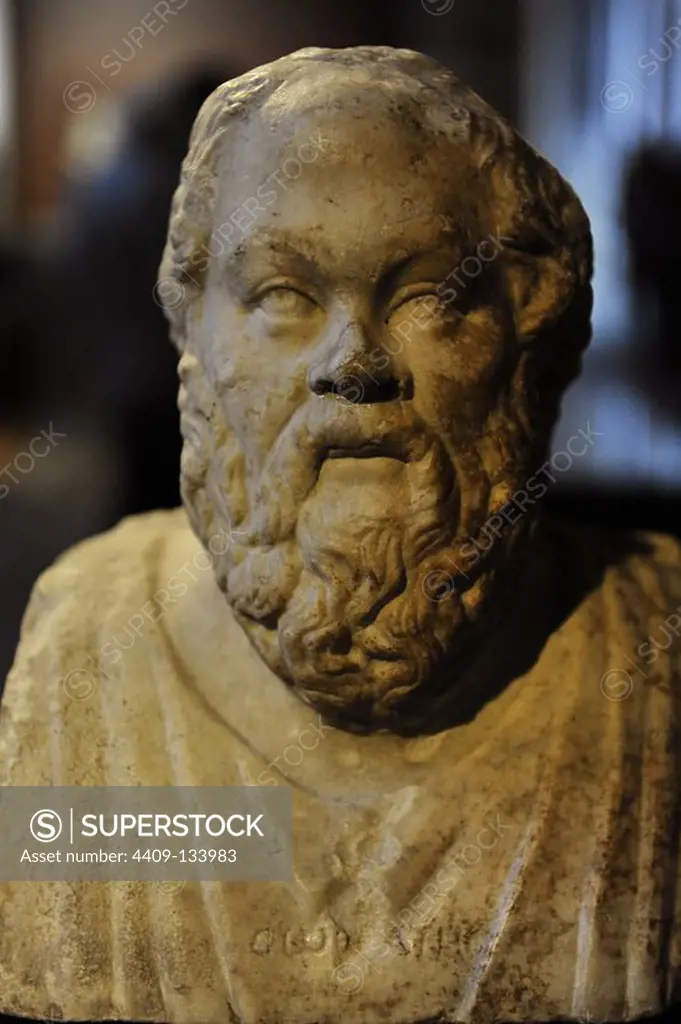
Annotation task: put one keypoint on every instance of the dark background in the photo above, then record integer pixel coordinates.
(96, 101)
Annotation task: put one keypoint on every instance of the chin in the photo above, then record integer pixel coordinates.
(387, 696)
(391, 673)
(354, 703)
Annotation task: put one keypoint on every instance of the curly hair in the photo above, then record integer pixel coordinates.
(548, 245)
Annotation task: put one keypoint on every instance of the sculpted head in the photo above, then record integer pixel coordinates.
(379, 292)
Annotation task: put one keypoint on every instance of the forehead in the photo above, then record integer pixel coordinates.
(352, 168)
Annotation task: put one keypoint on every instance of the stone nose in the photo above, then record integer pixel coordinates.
(358, 369)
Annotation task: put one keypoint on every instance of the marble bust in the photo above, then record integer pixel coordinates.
(379, 293)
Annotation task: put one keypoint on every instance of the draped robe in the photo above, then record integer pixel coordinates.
(397, 911)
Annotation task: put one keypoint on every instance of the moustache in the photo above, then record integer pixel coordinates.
(327, 428)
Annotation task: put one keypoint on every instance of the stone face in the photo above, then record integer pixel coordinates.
(365, 260)
(378, 292)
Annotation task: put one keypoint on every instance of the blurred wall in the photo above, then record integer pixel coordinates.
(478, 39)
(7, 115)
(601, 78)
(72, 55)
(76, 53)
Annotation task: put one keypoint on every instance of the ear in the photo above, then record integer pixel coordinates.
(540, 289)
(547, 241)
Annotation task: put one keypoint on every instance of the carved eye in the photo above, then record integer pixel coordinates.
(286, 302)
(421, 305)
(417, 293)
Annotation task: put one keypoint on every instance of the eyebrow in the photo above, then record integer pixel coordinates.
(278, 243)
(252, 255)
(282, 245)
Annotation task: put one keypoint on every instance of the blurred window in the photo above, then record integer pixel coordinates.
(600, 77)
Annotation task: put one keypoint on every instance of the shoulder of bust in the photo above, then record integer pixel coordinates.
(100, 566)
(88, 586)
(651, 561)
(644, 563)
(67, 645)
(131, 538)
(660, 548)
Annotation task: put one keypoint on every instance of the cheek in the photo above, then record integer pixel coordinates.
(258, 394)
(238, 360)
(463, 370)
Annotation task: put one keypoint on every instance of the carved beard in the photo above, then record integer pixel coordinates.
(357, 599)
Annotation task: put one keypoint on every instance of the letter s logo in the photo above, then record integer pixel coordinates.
(45, 826)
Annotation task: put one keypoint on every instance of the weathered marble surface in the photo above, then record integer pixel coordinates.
(412, 725)
(573, 907)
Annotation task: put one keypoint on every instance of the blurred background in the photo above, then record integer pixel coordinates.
(96, 101)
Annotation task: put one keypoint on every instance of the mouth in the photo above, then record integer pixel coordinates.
(367, 450)
(364, 451)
